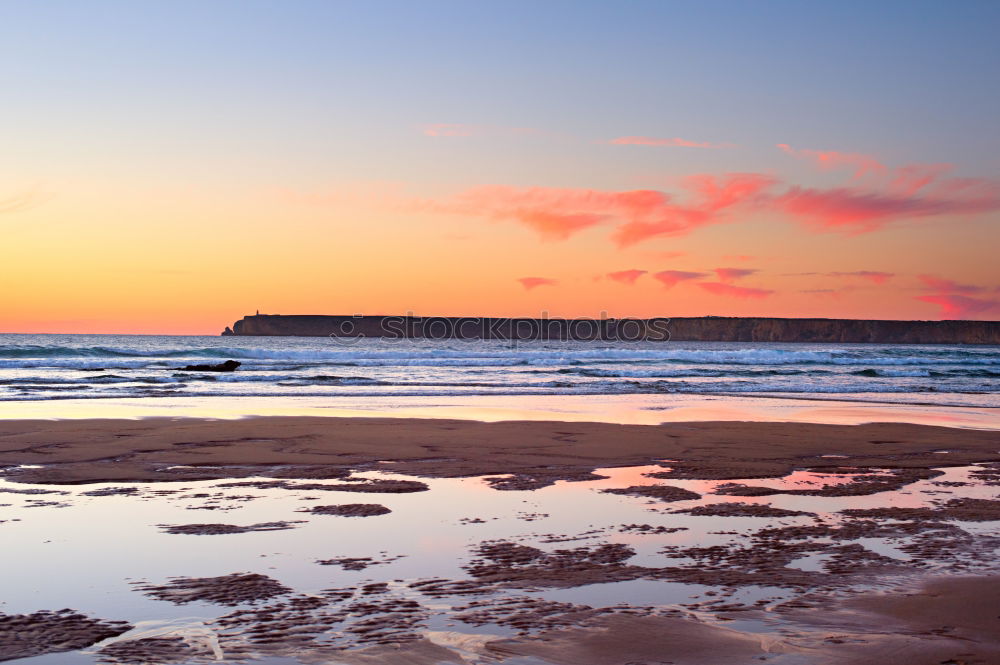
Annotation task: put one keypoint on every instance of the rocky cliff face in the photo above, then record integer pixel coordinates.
(701, 329)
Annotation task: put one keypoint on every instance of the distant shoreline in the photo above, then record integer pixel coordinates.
(658, 329)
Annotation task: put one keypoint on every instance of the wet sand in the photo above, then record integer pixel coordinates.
(929, 611)
(88, 451)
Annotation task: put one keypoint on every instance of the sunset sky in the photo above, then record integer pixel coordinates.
(168, 167)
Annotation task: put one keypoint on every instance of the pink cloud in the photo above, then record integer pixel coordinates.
(554, 213)
(908, 180)
(859, 211)
(720, 289)
(664, 256)
(957, 306)
(670, 278)
(953, 298)
(558, 213)
(667, 143)
(729, 275)
(626, 276)
(530, 283)
(834, 294)
(873, 276)
(449, 129)
(556, 226)
(662, 217)
(888, 196)
(453, 129)
(942, 285)
(831, 159)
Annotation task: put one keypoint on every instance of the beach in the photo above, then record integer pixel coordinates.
(482, 333)
(416, 540)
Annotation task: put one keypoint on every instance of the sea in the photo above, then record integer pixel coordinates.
(394, 373)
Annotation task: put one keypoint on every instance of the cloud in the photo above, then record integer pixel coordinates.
(729, 275)
(21, 202)
(457, 129)
(626, 276)
(714, 194)
(449, 129)
(664, 256)
(554, 213)
(880, 196)
(556, 226)
(855, 210)
(720, 289)
(670, 278)
(558, 213)
(939, 284)
(831, 159)
(957, 306)
(908, 180)
(953, 299)
(874, 276)
(667, 143)
(530, 283)
(825, 293)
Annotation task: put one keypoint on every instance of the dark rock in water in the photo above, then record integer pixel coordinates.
(228, 366)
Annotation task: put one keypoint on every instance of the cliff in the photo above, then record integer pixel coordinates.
(699, 329)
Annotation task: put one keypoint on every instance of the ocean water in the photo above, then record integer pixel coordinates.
(47, 367)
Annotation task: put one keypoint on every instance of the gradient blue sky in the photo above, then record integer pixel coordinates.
(165, 122)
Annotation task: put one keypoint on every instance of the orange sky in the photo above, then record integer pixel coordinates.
(198, 260)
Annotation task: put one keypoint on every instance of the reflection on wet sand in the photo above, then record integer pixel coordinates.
(475, 571)
(635, 409)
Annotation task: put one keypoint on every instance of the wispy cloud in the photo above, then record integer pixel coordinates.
(21, 201)
(834, 294)
(667, 142)
(660, 216)
(458, 129)
(558, 213)
(935, 283)
(449, 129)
(664, 255)
(957, 306)
(862, 165)
(732, 291)
(854, 211)
(874, 276)
(880, 196)
(670, 278)
(954, 300)
(626, 276)
(530, 283)
(899, 196)
(729, 275)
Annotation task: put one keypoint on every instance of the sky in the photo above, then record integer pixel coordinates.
(168, 167)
